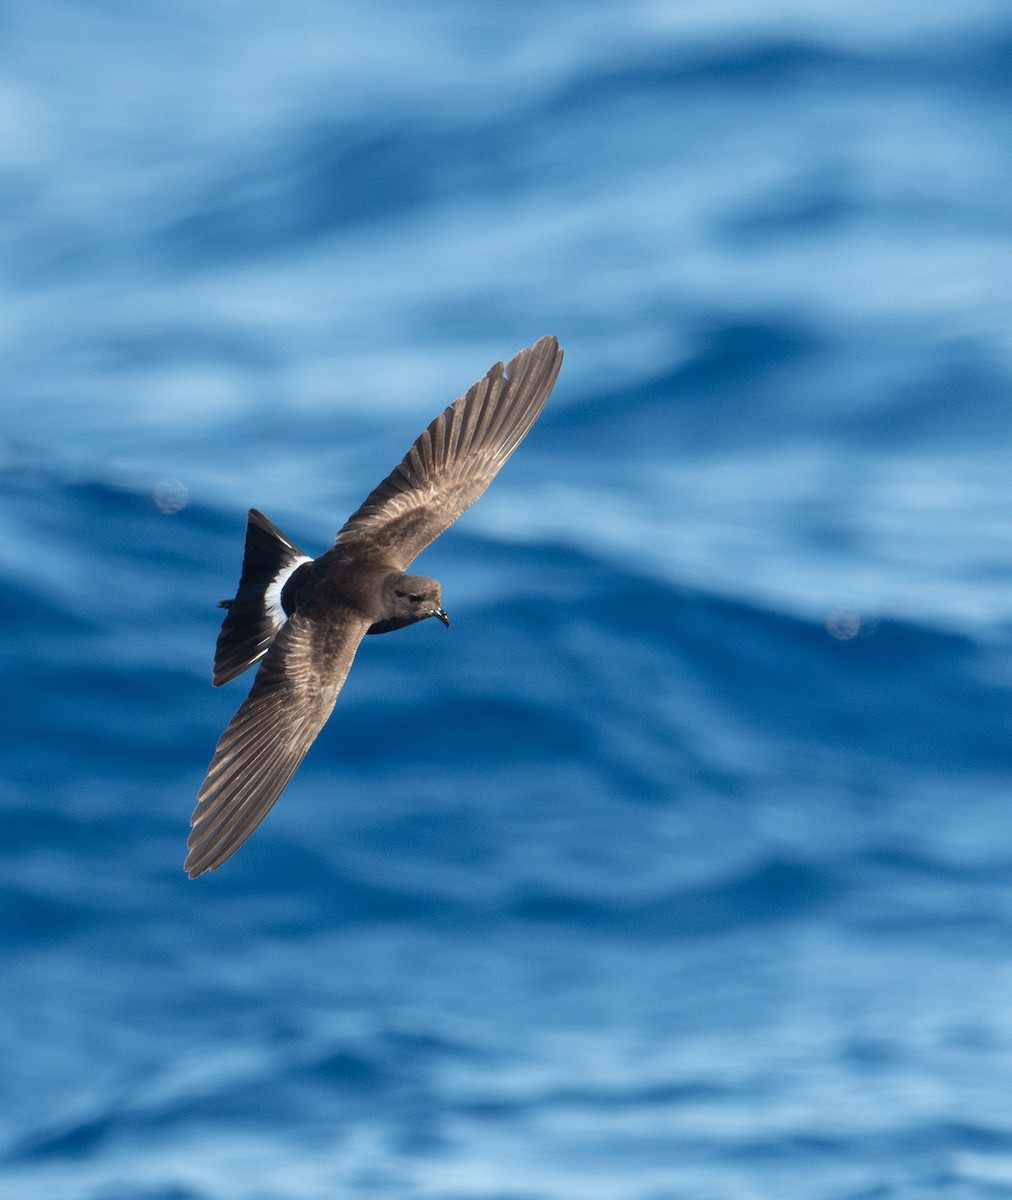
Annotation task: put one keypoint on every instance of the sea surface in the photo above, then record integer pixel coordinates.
(680, 867)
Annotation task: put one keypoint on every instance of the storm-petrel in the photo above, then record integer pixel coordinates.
(305, 617)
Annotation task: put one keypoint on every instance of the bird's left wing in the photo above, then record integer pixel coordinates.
(292, 697)
(455, 459)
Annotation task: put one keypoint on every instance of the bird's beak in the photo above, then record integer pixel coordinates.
(442, 615)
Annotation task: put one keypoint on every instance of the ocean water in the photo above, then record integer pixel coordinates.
(680, 868)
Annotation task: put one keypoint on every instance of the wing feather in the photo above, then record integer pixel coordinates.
(293, 695)
(455, 459)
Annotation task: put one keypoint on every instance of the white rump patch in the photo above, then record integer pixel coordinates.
(272, 597)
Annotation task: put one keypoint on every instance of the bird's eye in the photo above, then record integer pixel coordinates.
(413, 598)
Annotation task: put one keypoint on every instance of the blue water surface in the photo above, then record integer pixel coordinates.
(680, 868)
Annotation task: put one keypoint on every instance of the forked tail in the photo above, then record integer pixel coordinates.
(257, 613)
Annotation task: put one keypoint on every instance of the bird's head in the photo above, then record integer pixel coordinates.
(407, 599)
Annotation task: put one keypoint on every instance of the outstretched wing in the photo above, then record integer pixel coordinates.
(292, 696)
(456, 458)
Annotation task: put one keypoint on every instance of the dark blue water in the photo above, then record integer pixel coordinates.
(680, 868)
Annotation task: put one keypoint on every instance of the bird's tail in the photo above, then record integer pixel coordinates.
(257, 612)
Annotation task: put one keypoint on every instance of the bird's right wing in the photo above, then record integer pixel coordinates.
(292, 696)
(455, 459)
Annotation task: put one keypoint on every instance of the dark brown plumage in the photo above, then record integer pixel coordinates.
(305, 618)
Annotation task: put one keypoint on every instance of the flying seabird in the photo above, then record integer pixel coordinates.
(305, 617)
